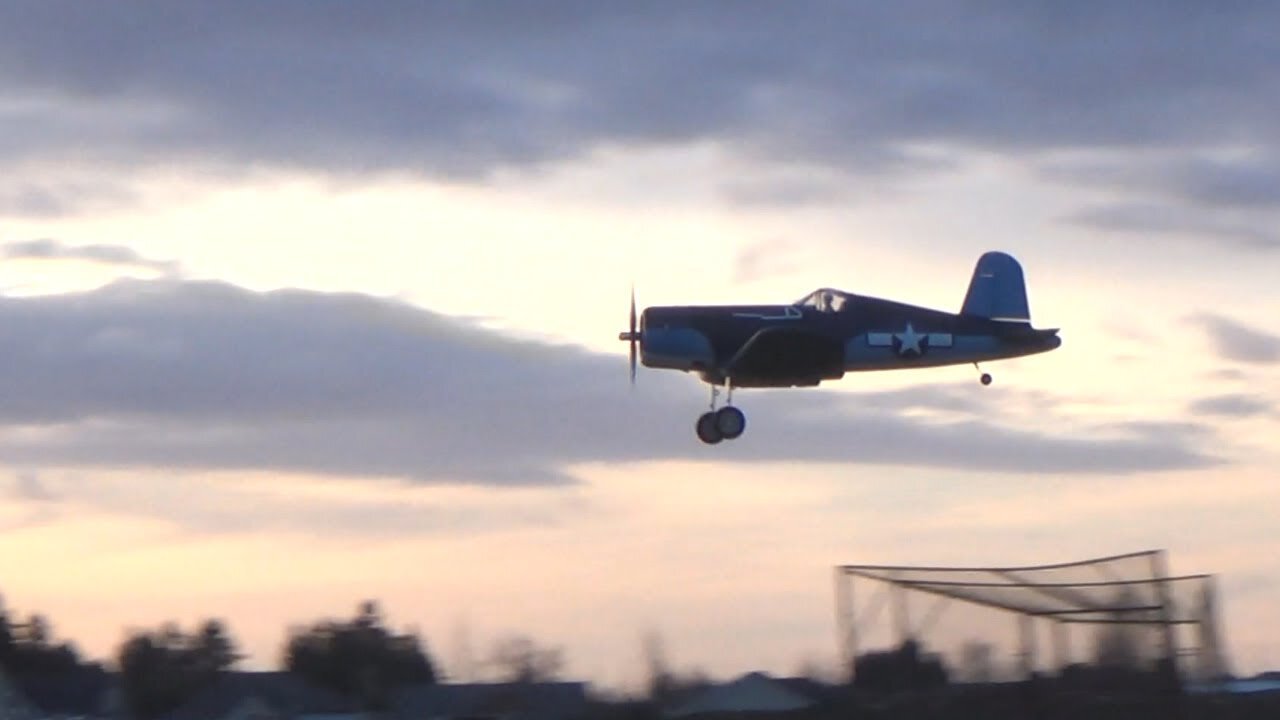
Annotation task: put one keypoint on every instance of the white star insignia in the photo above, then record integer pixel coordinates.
(909, 341)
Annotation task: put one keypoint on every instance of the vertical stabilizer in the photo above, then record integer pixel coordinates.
(997, 290)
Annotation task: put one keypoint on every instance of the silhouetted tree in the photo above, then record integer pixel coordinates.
(28, 648)
(664, 683)
(1118, 645)
(161, 669)
(359, 657)
(654, 649)
(6, 637)
(147, 679)
(977, 662)
(213, 649)
(35, 632)
(901, 670)
(517, 658)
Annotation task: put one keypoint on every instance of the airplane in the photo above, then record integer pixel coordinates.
(830, 332)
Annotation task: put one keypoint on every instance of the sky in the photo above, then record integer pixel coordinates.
(307, 303)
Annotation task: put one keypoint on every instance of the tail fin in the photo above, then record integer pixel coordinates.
(997, 290)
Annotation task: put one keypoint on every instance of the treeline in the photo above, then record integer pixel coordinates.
(358, 657)
(27, 647)
(162, 668)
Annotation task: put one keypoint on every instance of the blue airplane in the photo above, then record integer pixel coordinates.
(831, 332)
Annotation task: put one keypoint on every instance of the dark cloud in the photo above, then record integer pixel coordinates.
(1234, 341)
(29, 199)
(203, 375)
(1207, 179)
(1182, 193)
(1250, 181)
(48, 249)
(464, 89)
(1233, 405)
(1155, 220)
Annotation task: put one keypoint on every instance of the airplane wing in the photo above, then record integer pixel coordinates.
(783, 357)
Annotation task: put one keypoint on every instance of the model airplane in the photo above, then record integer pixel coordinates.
(829, 333)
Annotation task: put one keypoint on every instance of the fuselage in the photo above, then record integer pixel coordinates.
(821, 339)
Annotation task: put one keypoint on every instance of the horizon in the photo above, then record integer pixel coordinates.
(300, 300)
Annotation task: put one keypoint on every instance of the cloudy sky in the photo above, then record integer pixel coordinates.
(306, 303)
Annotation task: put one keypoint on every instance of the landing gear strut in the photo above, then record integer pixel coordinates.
(727, 423)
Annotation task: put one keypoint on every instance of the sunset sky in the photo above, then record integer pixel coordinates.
(306, 303)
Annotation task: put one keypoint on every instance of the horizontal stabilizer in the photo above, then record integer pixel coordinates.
(997, 290)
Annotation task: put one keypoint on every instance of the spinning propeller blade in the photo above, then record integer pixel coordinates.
(632, 336)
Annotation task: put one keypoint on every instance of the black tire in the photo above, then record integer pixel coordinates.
(985, 379)
(730, 422)
(707, 430)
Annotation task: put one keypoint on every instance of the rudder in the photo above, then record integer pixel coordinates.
(997, 290)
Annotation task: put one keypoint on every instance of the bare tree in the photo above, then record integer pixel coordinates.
(977, 662)
(1116, 644)
(654, 650)
(517, 658)
(663, 682)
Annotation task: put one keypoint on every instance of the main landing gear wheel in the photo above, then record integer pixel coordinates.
(727, 423)
(708, 429)
(730, 422)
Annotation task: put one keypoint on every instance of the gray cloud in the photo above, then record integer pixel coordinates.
(763, 259)
(1234, 341)
(28, 486)
(1165, 220)
(1224, 179)
(1231, 405)
(1224, 197)
(43, 199)
(212, 506)
(464, 89)
(1251, 181)
(1229, 374)
(202, 375)
(120, 255)
(34, 502)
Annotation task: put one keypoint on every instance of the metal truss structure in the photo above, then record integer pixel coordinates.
(1171, 621)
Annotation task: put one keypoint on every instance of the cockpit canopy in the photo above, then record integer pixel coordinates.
(827, 300)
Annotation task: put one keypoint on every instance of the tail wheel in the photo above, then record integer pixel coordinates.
(985, 379)
(730, 422)
(708, 429)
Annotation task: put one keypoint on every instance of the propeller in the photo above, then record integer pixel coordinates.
(632, 336)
